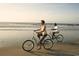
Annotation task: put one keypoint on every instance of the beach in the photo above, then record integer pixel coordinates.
(18, 22)
(11, 44)
(59, 49)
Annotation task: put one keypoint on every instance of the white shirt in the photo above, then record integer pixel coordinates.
(55, 29)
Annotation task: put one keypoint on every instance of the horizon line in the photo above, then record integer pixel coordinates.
(50, 23)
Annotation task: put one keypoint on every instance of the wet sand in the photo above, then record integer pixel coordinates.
(59, 49)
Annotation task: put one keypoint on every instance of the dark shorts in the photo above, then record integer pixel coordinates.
(40, 34)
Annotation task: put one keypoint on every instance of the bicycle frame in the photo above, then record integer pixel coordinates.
(38, 38)
(54, 36)
(34, 38)
(59, 37)
(34, 42)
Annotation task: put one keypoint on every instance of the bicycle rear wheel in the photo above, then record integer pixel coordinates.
(28, 45)
(48, 44)
(60, 38)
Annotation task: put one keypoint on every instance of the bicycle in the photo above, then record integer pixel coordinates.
(59, 37)
(28, 45)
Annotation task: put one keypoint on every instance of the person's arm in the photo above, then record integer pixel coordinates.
(36, 30)
(42, 29)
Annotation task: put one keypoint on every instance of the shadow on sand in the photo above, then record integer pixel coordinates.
(59, 51)
(51, 53)
(75, 44)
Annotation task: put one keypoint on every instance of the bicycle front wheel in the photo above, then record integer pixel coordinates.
(60, 38)
(28, 45)
(48, 44)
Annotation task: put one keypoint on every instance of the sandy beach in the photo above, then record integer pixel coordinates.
(19, 20)
(59, 49)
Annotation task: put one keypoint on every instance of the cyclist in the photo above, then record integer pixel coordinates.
(55, 29)
(41, 32)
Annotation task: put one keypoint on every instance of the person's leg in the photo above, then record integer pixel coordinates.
(41, 42)
(43, 38)
(38, 35)
(53, 33)
(39, 46)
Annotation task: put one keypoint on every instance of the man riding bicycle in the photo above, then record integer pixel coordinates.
(41, 32)
(55, 29)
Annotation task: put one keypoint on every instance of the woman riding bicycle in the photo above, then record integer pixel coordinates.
(41, 32)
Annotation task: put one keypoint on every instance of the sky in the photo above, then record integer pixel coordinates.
(34, 12)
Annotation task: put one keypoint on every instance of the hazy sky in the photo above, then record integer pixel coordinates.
(31, 12)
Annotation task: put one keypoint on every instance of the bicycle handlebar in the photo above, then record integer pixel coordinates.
(34, 30)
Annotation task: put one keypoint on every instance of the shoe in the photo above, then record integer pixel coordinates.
(39, 47)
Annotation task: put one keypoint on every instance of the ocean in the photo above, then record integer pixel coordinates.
(14, 34)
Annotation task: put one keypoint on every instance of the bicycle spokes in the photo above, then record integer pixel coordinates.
(28, 45)
(48, 44)
(60, 38)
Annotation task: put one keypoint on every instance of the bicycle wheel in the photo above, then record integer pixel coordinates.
(48, 44)
(60, 38)
(28, 45)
